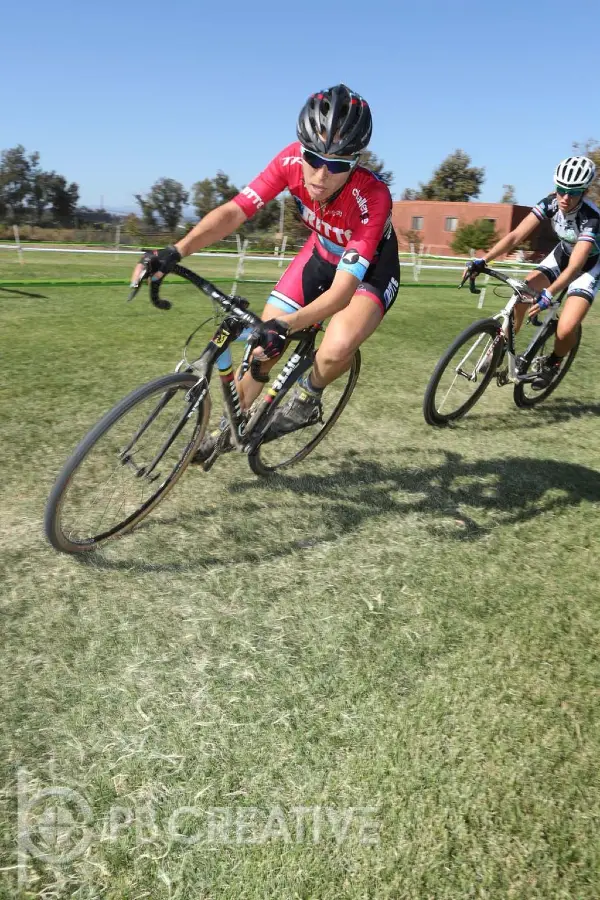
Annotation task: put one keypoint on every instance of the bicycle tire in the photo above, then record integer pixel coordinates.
(53, 517)
(522, 399)
(258, 460)
(433, 416)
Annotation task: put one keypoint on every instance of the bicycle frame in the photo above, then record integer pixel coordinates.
(246, 435)
(522, 293)
(507, 329)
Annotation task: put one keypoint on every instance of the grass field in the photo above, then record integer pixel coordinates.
(374, 677)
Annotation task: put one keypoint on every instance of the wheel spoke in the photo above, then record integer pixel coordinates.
(462, 374)
(112, 480)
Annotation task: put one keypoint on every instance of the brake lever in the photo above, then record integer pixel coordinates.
(251, 343)
(470, 277)
(136, 285)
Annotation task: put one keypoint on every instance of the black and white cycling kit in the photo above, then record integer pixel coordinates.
(581, 224)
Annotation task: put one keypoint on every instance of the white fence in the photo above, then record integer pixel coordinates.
(417, 263)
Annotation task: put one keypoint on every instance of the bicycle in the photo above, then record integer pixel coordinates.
(128, 463)
(480, 352)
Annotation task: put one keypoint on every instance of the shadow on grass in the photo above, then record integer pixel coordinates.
(23, 293)
(552, 412)
(455, 500)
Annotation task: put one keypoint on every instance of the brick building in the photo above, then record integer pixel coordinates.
(436, 222)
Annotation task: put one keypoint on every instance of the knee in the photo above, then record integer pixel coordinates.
(565, 330)
(337, 349)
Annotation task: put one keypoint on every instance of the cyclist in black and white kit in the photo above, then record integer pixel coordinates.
(574, 262)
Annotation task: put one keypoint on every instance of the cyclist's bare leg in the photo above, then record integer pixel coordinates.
(248, 388)
(346, 331)
(573, 313)
(537, 281)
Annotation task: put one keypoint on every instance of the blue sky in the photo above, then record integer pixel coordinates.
(116, 95)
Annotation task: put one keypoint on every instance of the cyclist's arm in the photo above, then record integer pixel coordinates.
(331, 301)
(214, 226)
(513, 238)
(577, 260)
(225, 219)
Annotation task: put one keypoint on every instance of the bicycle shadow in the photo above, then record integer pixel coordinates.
(456, 500)
(554, 412)
(7, 290)
(515, 489)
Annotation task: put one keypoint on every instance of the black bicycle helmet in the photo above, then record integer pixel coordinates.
(335, 121)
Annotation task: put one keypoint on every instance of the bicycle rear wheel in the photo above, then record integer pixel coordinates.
(127, 463)
(524, 395)
(292, 448)
(463, 373)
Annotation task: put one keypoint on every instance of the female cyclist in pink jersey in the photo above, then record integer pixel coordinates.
(347, 270)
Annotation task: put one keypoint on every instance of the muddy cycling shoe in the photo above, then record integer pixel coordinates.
(221, 437)
(546, 376)
(303, 409)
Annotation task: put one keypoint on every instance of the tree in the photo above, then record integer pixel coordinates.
(370, 161)
(40, 195)
(508, 194)
(205, 196)
(17, 174)
(96, 216)
(414, 237)
(454, 179)
(409, 194)
(63, 198)
(293, 223)
(147, 211)
(477, 235)
(266, 219)
(211, 192)
(225, 190)
(167, 198)
(132, 225)
(591, 148)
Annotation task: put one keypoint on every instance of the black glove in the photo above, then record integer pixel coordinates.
(161, 260)
(272, 336)
(475, 266)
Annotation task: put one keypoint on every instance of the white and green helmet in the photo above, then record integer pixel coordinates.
(575, 172)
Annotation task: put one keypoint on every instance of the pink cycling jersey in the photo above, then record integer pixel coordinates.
(349, 229)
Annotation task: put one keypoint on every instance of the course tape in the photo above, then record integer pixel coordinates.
(123, 283)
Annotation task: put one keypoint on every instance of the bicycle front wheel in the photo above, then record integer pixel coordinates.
(523, 394)
(292, 448)
(463, 373)
(127, 463)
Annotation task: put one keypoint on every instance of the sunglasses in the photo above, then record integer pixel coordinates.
(335, 166)
(570, 192)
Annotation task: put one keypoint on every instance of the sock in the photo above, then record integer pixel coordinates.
(554, 359)
(305, 382)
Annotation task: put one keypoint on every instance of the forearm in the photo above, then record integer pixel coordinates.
(317, 311)
(214, 226)
(504, 245)
(564, 279)
(577, 261)
(513, 238)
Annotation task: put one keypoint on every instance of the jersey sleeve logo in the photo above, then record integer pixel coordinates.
(252, 195)
(351, 257)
